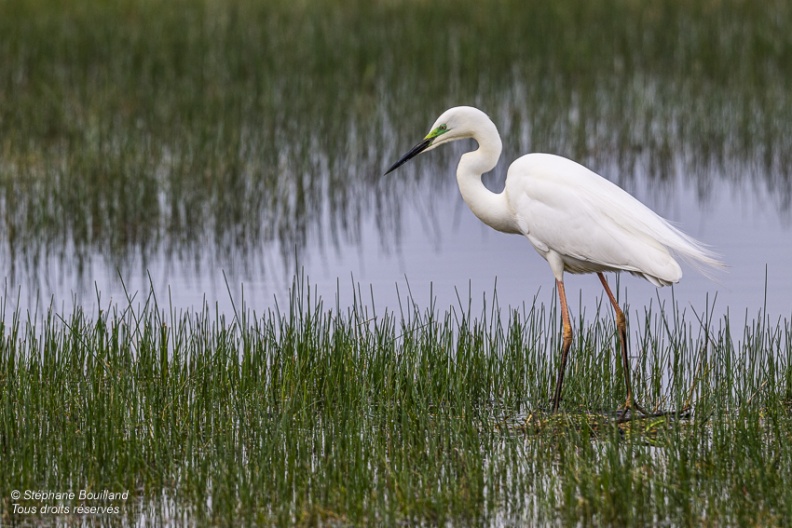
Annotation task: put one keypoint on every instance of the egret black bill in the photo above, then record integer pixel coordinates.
(417, 149)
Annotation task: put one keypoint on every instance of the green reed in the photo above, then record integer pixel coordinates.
(313, 415)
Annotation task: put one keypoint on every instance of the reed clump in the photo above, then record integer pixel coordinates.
(315, 415)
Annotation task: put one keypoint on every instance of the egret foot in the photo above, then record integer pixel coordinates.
(632, 411)
(630, 406)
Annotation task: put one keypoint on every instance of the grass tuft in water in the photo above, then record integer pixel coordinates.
(312, 415)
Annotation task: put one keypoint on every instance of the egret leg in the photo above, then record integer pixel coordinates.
(566, 344)
(621, 326)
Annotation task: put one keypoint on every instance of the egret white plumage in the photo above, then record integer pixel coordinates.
(578, 221)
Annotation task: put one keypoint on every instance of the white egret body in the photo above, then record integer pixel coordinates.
(575, 219)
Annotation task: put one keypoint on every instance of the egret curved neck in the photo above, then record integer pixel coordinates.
(491, 208)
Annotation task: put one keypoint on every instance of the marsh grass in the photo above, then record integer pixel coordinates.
(314, 415)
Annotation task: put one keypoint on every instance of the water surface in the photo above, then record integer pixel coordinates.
(198, 152)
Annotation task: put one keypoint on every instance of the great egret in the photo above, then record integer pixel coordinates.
(575, 219)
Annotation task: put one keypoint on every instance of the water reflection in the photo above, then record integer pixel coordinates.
(415, 233)
(168, 158)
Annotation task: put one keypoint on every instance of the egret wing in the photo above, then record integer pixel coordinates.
(593, 224)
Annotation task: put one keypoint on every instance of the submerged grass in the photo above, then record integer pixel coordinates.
(130, 127)
(320, 416)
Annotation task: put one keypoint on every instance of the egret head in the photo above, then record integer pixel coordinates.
(459, 122)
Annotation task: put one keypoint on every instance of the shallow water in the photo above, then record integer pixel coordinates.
(195, 176)
(437, 250)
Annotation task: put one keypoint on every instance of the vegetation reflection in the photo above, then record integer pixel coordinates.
(133, 128)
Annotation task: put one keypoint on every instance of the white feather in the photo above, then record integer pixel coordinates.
(593, 224)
